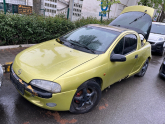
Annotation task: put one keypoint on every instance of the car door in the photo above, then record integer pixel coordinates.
(127, 46)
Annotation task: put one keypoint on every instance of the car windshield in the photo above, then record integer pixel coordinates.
(91, 38)
(158, 29)
(138, 21)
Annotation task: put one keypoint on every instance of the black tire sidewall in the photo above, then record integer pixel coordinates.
(93, 84)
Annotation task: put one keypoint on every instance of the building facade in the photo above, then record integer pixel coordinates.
(87, 8)
(81, 8)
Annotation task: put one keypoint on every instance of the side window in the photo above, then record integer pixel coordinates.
(130, 43)
(119, 47)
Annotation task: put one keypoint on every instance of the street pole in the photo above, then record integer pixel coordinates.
(71, 4)
(13, 8)
(101, 17)
(43, 10)
(4, 5)
(68, 14)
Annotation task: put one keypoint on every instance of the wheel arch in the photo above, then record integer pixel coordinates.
(99, 81)
(149, 58)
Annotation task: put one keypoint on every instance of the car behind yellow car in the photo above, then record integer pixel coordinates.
(69, 73)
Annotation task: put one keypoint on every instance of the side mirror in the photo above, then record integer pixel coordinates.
(117, 58)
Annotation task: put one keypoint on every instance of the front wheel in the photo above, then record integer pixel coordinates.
(144, 69)
(86, 98)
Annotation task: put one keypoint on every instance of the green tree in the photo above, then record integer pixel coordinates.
(159, 5)
(108, 3)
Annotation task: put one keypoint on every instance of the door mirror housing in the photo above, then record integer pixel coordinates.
(117, 58)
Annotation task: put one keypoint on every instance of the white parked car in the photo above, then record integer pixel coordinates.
(157, 37)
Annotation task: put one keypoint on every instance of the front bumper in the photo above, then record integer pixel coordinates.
(41, 98)
(156, 47)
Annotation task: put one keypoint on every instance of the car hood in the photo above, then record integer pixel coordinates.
(48, 61)
(154, 37)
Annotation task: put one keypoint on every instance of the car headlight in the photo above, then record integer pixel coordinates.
(161, 39)
(1, 75)
(47, 85)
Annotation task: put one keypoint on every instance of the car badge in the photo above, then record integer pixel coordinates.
(19, 71)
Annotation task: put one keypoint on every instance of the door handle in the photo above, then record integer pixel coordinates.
(136, 56)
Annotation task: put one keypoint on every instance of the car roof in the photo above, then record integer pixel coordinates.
(159, 23)
(113, 28)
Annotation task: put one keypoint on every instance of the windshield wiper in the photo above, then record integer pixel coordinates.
(59, 40)
(82, 46)
(117, 25)
(137, 19)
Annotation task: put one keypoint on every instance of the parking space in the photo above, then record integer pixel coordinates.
(137, 100)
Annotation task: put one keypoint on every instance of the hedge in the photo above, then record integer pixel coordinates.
(27, 29)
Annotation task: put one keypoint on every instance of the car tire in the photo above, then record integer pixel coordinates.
(86, 97)
(143, 70)
(162, 52)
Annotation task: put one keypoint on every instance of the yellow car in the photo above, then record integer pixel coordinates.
(69, 73)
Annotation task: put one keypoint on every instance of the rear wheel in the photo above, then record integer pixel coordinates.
(144, 69)
(163, 51)
(86, 98)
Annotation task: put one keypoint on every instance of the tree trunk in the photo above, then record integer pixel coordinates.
(109, 10)
(162, 16)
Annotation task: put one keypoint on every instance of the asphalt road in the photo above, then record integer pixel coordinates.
(132, 101)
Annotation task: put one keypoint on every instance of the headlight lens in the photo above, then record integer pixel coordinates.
(47, 85)
(161, 39)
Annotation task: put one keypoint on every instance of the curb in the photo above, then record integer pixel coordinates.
(16, 46)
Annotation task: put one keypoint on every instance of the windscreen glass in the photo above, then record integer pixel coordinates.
(158, 29)
(92, 38)
(138, 21)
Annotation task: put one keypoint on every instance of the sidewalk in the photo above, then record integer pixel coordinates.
(8, 55)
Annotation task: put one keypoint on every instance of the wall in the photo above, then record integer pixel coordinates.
(92, 8)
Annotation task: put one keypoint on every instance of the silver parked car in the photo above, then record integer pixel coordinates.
(157, 37)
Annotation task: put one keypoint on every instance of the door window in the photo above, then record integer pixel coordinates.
(130, 44)
(126, 45)
(119, 47)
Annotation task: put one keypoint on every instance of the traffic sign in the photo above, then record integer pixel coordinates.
(103, 15)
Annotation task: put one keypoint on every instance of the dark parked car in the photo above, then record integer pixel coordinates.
(162, 69)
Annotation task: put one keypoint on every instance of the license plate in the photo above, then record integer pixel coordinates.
(19, 86)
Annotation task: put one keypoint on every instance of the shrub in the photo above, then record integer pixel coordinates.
(27, 29)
